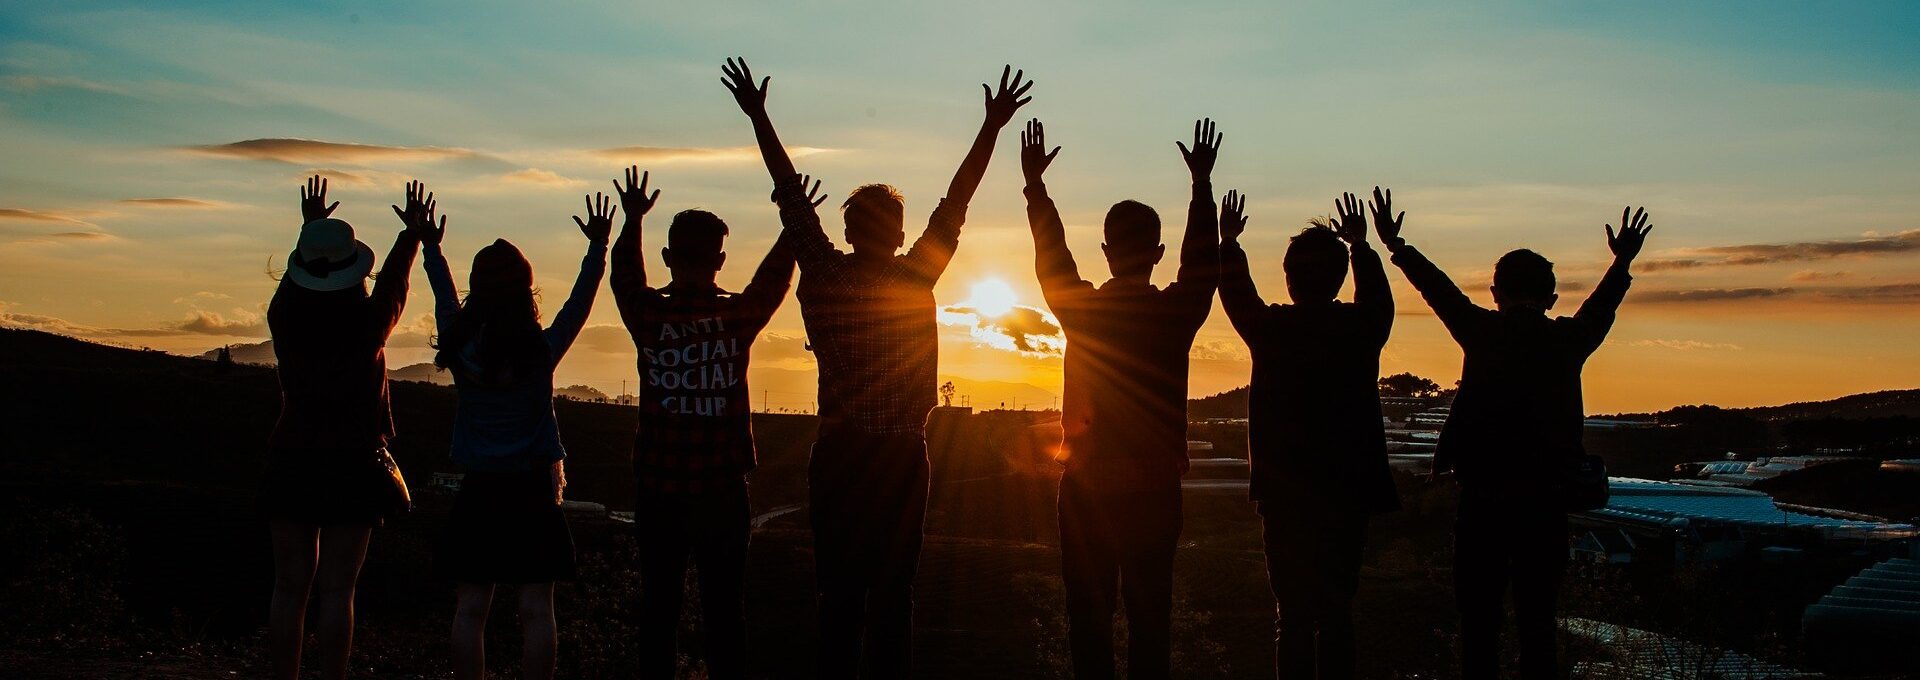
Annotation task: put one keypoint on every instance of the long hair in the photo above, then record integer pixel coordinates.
(500, 321)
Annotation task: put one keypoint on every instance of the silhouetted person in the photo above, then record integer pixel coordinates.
(1514, 425)
(1125, 411)
(506, 526)
(694, 445)
(327, 483)
(870, 320)
(1314, 439)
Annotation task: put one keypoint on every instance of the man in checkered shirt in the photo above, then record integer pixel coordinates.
(870, 320)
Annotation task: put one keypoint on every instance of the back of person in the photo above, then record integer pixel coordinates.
(877, 342)
(1316, 404)
(1519, 404)
(503, 426)
(1125, 411)
(695, 409)
(331, 358)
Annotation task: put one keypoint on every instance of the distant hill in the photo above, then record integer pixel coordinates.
(1891, 403)
(257, 353)
(426, 373)
(1229, 404)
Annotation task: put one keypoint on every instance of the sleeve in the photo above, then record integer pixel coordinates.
(389, 296)
(1237, 293)
(1199, 273)
(934, 249)
(770, 283)
(1060, 280)
(446, 300)
(1371, 293)
(573, 315)
(800, 231)
(629, 276)
(1596, 315)
(1453, 307)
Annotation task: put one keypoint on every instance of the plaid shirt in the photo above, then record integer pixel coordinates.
(870, 323)
(696, 428)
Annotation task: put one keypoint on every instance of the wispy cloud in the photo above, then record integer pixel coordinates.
(173, 202)
(540, 177)
(67, 216)
(1809, 275)
(669, 154)
(1709, 294)
(1685, 345)
(241, 324)
(30, 83)
(1879, 293)
(1804, 251)
(310, 151)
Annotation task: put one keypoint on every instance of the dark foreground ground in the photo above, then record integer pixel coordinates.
(129, 549)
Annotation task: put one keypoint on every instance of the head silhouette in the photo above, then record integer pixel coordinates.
(876, 219)
(1523, 281)
(1132, 239)
(1316, 264)
(499, 320)
(695, 243)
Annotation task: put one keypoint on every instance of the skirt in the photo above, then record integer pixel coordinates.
(505, 529)
(327, 488)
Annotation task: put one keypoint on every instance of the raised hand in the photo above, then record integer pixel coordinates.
(1633, 234)
(1351, 224)
(1206, 149)
(634, 196)
(813, 195)
(738, 79)
(313, 200)
(1233, 216)
(418, 216)
(1034, 156)
(1001, 105)
(599, 223)
(1384, 221)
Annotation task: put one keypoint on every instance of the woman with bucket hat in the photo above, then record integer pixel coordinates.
(506, 527)
(328, 478)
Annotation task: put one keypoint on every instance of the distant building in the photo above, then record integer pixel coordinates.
(1737, 473)
(1677, 523)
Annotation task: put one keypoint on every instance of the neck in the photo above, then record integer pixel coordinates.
(1139, 278)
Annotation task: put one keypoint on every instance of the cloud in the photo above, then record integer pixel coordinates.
(173, 202)
(605, 338)
(1809, 275)
(1893, 292)
(537, 176)
(1027, 330)
(1685, 345)
(310, 151)
(30, 83)
(67, 216)
(1805, 251)
(201, 295)
(1710, 294)
(668, 154)
(243, 324)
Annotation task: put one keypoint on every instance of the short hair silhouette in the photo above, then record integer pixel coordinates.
(1316, 263)
(696, 231)
(875, 215)
(1132, 232)
(1523, 275)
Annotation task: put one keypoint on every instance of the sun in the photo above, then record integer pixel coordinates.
(991, 298)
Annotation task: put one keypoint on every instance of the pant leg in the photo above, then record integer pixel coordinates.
(898, 524)
(723, 532)
(1539, 561)
(1288, 543)
(659, 528)
(1146, 576)
(1343, 540)
(833, 489)
(1481, 572)
(1091, 574)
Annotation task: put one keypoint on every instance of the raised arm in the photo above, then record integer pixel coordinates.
(1452, 306)
(1237, 293)
(573, 315)
(389, 296)
(934, 249)
(1370, 289)
(1059, 277)
(800, 231)
(420, 220)
(1200, 248)
(738, 79)
(629, 276)
(1597, 313)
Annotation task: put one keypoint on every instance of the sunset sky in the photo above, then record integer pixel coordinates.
(152, 156)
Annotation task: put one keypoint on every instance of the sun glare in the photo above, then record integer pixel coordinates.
(991, 297)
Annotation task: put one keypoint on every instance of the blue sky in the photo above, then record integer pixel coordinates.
(1499, 125)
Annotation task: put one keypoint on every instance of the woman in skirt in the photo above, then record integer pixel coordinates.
(327, 483)
(506, 527)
